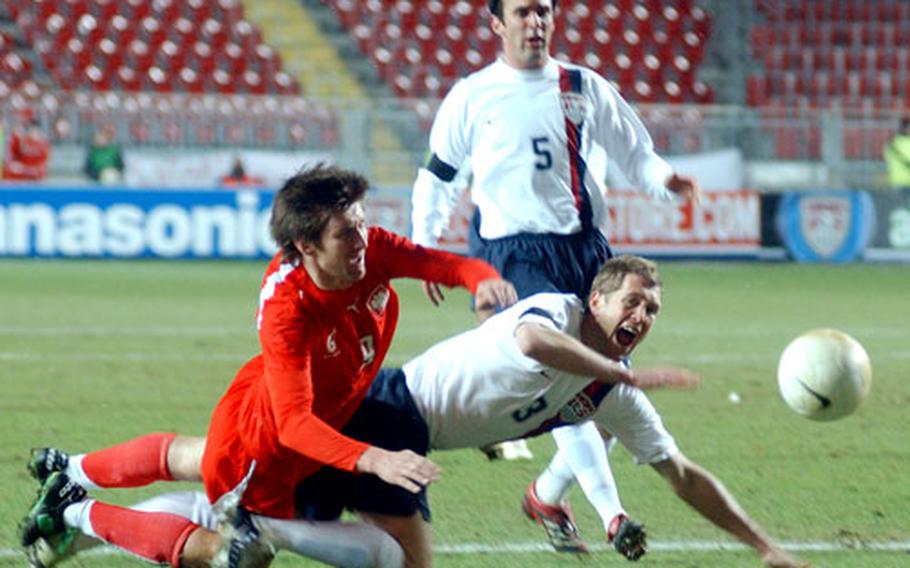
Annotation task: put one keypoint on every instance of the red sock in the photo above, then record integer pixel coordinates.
(158, 537)
(135, 463)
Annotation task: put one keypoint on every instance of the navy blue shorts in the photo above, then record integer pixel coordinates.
(386, 418)
(544, 262)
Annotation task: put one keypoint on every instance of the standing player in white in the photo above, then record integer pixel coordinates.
(528, 127)
(549, 360)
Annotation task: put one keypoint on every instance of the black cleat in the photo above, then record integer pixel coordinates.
(628, 537)
(45, 519)
(45, 461)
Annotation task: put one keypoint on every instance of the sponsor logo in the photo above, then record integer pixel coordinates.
(825, 223)
(58, 224)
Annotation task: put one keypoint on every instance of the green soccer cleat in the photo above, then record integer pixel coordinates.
(45, 461)
(45, 519)
(50, 551)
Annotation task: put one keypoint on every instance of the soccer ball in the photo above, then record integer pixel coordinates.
(824, 374)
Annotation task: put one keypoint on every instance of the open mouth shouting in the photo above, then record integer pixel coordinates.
(626, 336)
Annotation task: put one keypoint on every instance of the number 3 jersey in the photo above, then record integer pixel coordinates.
(478, 387)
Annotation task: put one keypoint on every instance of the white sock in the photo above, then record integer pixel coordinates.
(554, 482)
(582, 449)
(344, 544)
(78, 515)
(75, 472)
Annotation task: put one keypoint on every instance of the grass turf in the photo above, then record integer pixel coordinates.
(94, 352)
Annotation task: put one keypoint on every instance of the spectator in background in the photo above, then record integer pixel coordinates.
(29, 149)
(104, 161)
(238, 177)
(897, 156)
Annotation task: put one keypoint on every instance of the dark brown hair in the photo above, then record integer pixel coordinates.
(303, 206)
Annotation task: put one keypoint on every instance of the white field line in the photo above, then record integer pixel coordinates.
(681, 330)
(120, 331)
(127, 356)
(469, 548)
(42, 356)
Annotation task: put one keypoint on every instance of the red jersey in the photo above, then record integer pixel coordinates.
(321, 350)
(29, 152)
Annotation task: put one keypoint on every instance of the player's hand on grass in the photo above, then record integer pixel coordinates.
(403, 468)
(655, 377)
(433, 291)
(494, 293)
(777, 558)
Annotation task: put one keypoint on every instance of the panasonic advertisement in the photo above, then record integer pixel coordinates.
(109, 223)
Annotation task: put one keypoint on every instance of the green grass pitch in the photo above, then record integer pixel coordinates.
(94, 352)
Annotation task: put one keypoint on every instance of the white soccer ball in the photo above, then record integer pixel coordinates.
(824, 374)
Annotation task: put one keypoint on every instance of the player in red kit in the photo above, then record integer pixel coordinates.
(326, 317)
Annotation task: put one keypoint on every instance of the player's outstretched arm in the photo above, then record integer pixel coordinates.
(403, 468)
(706, 494)
(562, 351)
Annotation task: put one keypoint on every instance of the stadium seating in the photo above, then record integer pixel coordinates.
(650, 48)
(850, 54)
(157, 45)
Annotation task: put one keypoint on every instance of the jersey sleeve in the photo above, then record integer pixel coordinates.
(548, 310)
(289, 341)
(619, 130)
(435, 192)
(402, 258)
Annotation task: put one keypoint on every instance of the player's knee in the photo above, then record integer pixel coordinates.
(387, 552)
(184, 458)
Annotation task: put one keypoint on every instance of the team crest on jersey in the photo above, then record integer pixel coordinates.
(378, 300)
(579, 408)
(574, 107)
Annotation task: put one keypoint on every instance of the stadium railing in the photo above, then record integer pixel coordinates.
(840, 147)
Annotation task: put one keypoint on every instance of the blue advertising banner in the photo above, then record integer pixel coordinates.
(826, 226)
(112, 223)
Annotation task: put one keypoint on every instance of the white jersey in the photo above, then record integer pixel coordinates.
(478, 387)
(529, 137)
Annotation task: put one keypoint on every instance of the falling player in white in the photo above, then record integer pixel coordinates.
(554, 359)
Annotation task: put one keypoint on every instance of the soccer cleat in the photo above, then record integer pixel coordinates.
(45, 461)
(50, 551)
(508, 450)
(46, 516)
(241, 544)
(628, 537)
(557, 520)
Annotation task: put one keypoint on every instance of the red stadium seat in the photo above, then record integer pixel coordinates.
(189, 81)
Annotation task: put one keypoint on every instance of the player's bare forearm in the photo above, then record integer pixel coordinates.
(562, 351)
(707, 495)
